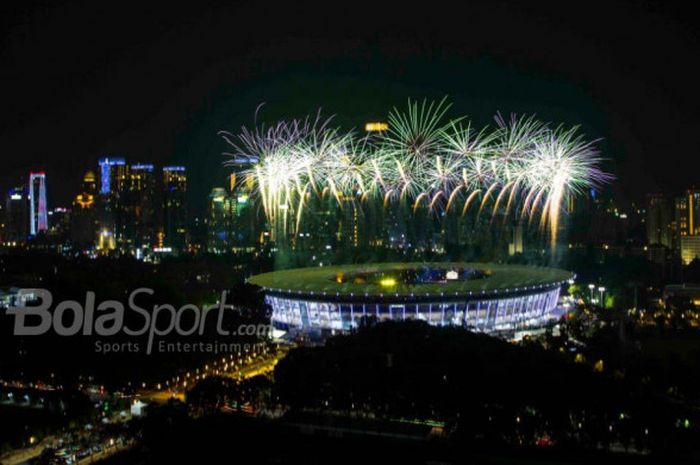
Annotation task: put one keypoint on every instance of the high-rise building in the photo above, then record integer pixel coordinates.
(59, 226)
(658, 221)
(690, 248)
(86, 197)
(16, 216)
(688, 213)
(686, 221)
(244, 220)
(197, 234)
(136, 219)
(84, 219)
(105, 241)
(246, 231)
(38, 217)
(395, 225)
(319, 228)
(351, 223)
(112, 174)
(220, 221)
(174, 207)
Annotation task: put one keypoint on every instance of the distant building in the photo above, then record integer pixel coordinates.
(687, 213)
(690, 248)
(16, 216)
(686, 220)
(84, 219)
(59, 225)
(658, 221)
(138, 408)
(220, 221)
(245, 231)
(112, 174)
(516, 246)
(136, 225)
(16, 297)
(321, 228)
(86, 197)
(351, 227)
(38, 212)
(657, 253)
(174, 207)
(197, 231)
(606, 224)
(105, 241)
(687, 291)
(376, 126)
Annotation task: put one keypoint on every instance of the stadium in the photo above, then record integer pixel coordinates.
(482, 297)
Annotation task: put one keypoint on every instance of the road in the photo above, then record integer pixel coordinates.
(103, 454)
(247, 371)
(261, 367)
(20, 456)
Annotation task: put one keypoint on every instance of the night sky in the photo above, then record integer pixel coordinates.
(155, 82)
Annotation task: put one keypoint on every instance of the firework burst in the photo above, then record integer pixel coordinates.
(521, 168)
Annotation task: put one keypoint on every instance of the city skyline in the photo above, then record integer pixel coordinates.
(667, 218)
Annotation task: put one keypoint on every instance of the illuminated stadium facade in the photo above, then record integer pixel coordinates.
(489, 298)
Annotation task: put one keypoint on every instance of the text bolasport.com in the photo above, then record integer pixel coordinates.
(107, 319)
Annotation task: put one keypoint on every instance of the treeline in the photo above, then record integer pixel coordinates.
(485, 390)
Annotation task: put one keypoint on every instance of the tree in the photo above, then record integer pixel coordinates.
(212, 393)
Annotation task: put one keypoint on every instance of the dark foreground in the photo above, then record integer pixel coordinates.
(237, 439)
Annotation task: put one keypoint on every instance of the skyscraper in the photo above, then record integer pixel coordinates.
(83, 221)
(16, 216)
(220, 221)
(174, 207)
(38, 218)
(86, 197)
(658, 221)
(687, 221)
(246, 229)
(351, 223)
(136, 210)
(112, 174)
(59, 227)
(688, 213)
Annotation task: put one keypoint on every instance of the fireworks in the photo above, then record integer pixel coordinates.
(522, 168)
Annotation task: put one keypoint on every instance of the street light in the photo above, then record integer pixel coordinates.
(602, 291)
(591, 287)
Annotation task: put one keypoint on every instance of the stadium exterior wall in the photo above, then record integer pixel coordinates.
(494, 312)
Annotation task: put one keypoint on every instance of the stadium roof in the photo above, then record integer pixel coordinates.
(322, 280)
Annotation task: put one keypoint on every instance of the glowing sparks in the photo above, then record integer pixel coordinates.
(522, 167)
